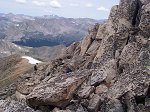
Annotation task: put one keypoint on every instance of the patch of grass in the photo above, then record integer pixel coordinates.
(148, 67)
(18, 69)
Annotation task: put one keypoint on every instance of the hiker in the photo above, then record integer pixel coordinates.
(35, 67)
(68, 70)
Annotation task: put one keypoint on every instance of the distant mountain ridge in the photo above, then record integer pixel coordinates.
(48, 30)
(43, 53)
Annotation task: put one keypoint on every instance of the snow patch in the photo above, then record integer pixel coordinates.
(17, 25)
(73, 22)
(17, 46)
(31, 60)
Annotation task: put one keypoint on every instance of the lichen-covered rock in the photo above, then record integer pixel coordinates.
(129, 100)
(14, 106)
(107, 72)
(110, 27)
(132, 78)
(127, 11)
(75, 107)
(85, 91)
(93, 48)
(101, 89)
(94, 103)
(129, 54)
(105, 52)
(85, 45)
(110, 69)
(97, 77)
(58, 110)
(112, 105)
(147, 102)
(57, 91)
(145, 19)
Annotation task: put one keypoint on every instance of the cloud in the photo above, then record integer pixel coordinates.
(39, 3)
(48, 11)
(74, 5)
(21, 1)
(55, 4)
(89, 5)
(102, 9)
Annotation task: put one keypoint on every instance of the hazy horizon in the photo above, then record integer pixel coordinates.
(51, 15)
(93, 9)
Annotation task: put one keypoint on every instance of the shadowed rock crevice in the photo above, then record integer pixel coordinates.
(135, 21)
(148, 92)
(124, 105)
(127, 40)
(140, 100)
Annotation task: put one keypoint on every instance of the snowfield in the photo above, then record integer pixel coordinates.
(31, 60)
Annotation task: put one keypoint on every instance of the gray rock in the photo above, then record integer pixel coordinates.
(144, 21)
(101, 89)
(97, 77)
(58, 110)
(14, 106)
(147, 102)
(86, 43)
(94, 103)
(114, 106)
(85, 91)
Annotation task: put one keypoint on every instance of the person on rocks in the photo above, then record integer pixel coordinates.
(68, 70)
(35, 67)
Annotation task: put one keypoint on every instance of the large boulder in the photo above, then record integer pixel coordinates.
(57, 91)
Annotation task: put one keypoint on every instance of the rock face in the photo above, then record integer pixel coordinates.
(109, 71)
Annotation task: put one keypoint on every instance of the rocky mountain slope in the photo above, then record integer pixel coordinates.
(8, 48)
(44, 53)
(10, 69)
(43, 31)
(109, 71)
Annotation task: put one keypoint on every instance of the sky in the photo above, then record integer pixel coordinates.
(96, 9)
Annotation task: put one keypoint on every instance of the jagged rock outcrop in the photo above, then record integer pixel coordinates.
(109, 71)
(57, 92)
